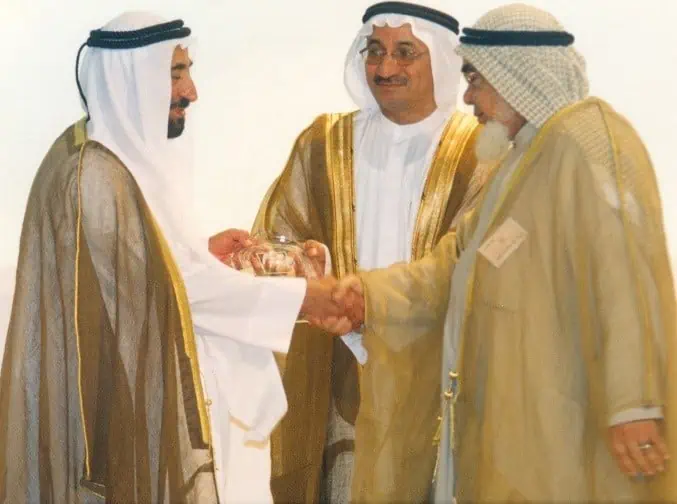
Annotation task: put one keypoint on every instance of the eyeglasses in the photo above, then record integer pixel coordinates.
(403, 56)
(474, 80)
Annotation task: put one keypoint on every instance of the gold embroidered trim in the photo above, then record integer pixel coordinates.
(80, 132)
(339, 163)
(440, 182)
(187, 329)
(78, 237)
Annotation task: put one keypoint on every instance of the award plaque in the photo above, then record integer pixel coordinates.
(274, 255)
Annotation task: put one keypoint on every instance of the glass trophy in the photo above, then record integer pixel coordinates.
(274, 255)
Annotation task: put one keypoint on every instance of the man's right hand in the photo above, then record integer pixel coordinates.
(349, 294)
(320, 309)
(337, 307)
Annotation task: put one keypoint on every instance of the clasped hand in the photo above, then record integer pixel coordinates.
(333, 305)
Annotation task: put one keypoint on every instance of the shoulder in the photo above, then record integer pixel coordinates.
(57, 172)
(592, 128)
(323, 124)
(461, 129)
(100, 167)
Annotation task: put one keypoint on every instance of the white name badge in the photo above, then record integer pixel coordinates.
(505, 240)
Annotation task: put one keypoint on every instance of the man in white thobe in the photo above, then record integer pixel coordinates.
(138, 367)
(377, 186)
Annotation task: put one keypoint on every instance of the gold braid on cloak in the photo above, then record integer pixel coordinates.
(99, 394)
(313, 198)
(576, 326)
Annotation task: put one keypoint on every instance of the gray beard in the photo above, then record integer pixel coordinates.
(492, 143)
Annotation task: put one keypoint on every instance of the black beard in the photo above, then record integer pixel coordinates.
(175, 127)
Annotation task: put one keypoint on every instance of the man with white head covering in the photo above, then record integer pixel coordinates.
(138, 368)
(556, 294)
(377, 186)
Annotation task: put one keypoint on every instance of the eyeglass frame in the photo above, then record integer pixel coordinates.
(475, 80)
(401, 62)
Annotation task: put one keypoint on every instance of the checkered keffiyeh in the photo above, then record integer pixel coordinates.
(536, 81)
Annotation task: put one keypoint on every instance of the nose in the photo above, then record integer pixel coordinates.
(190, 93)
(387, 67)
(468, 96)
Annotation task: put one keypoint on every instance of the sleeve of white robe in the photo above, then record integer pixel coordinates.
(258, 311)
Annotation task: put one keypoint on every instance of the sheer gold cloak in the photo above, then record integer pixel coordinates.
(577, 325)
(100, 398)
(313, 198)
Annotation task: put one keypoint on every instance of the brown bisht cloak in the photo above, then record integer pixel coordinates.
(577, 324)
(313, 198)
(100, 396)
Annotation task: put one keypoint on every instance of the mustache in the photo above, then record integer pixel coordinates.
(182, 103)
(395, 80)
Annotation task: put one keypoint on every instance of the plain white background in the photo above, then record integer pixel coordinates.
(265, 68)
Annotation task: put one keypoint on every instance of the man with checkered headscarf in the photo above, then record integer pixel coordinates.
(377, 186)
(556, 295)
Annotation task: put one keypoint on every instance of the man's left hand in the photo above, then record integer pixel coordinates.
(639, 447)
(317, 255)
(222, 244)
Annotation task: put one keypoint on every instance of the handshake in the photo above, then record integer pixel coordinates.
(332, 305)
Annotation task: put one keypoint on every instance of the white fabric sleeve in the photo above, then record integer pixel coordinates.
(258, 311)
(635, 415)
(352, 340)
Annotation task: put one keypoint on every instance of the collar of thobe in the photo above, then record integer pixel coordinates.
(524, 137)
(404, 132)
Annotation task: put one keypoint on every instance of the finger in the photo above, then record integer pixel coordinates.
(620, 451)
(331, 309)
(318, 267)
(236, 261)
(349, 284)
(325, 323)
(299, 270)
(315, 253)
(660, 445)
(238, 234)
(357, 317)
(257, 265)
(654, 459)
(639, 458)
(657, 455)
(342, 326)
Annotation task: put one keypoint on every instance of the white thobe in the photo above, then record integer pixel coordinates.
(391, 164)
(239, 321)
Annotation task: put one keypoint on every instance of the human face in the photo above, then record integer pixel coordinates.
(399, 73)
(487, 103)
(183, 91)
